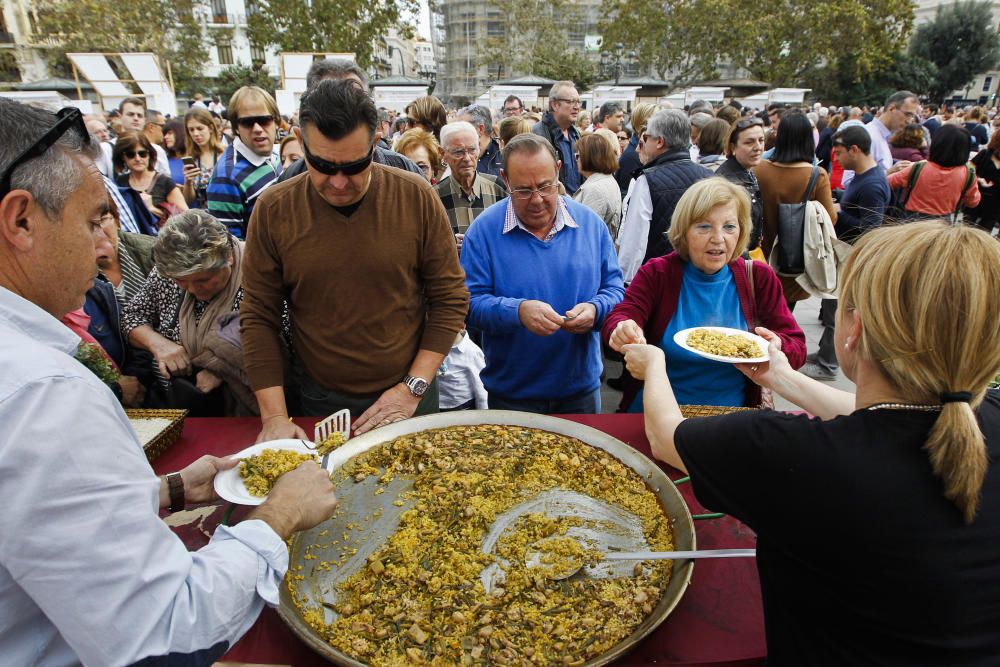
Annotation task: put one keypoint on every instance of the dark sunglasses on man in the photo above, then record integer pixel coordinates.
(248, 122)
(334, 168)
(66, 119)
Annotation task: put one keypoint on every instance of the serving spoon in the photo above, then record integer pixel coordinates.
(534, 559)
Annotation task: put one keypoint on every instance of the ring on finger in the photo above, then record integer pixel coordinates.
(753, 369)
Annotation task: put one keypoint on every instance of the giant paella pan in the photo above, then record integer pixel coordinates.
(475, 537)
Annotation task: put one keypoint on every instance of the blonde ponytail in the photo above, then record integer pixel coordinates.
(926, 294)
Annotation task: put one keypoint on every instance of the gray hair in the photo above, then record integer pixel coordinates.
(191, 242)
(671, 125)
(608, 109)
(456, 127)
(700, 119)
(480, 116)
(556, 89)
(897, 98)
(528, 144)
(334, 68)
(55, 175)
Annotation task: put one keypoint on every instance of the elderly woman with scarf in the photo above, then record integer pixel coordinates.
(187, 316)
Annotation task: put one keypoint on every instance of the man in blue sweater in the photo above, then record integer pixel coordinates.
(861, 208)
(542, 275)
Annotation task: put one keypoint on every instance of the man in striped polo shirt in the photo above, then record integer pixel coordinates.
(250, 163)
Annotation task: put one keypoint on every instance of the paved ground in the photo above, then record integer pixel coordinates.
(807, 315)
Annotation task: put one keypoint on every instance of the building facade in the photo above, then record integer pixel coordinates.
(985, 87)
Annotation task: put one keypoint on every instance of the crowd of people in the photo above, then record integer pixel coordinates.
(235, 262)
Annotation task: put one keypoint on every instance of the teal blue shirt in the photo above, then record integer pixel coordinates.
(705, 300)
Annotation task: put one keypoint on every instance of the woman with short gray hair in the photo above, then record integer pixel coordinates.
(186, 316)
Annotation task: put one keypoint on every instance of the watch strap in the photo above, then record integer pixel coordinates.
(175, 487)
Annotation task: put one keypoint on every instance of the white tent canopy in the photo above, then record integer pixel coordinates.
(498, 93)
(602, 94)
(146, 73)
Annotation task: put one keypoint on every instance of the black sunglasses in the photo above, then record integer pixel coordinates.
(131, 154)
(66, 119)
(334, 168)
(247, 122)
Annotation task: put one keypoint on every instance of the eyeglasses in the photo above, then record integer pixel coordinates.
(334, 168)
(247, 122)
(527, 193)
(748, 122)
(572, 103)
(132, 154)
(66, 119)
(459, 153)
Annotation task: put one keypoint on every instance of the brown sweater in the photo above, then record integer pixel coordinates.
(364, 292)
(785, 184)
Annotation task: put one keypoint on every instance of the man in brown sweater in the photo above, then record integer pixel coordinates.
(366, 260)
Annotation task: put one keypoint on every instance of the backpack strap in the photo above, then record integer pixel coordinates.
(910, 182)
(811, 186)
(970, 177)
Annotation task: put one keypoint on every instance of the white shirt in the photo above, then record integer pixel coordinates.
(88, 572)
(458, 376)
(634, 232)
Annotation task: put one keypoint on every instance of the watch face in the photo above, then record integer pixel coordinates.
(419, 386)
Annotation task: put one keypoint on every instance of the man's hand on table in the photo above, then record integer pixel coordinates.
(395, 404)
(280, 427)
(299, 500)
(580, 318)
(539, 317)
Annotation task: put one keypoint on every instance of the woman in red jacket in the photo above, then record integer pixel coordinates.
(945, 183)
(704, 282)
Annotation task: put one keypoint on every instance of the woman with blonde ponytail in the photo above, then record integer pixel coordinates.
(878, 518)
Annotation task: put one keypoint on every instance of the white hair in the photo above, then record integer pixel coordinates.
(454, 128)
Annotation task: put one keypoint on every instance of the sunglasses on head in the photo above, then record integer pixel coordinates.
(334, 168)
(131, 154)
(69, 118)
(748, 122)
(247, 122)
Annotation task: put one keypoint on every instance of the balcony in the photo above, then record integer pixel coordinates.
(229, 19)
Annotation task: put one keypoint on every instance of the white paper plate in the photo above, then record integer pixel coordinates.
(228, 483)
(681, 339)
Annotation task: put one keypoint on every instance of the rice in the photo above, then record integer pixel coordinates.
(148, 429)
(420, 599)
(260, 472)
(723, 345)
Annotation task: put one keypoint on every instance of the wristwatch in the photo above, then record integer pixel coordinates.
(175, 486)
(417, 386)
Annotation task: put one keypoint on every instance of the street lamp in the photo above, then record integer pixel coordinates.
(430, 76)
(611, 63)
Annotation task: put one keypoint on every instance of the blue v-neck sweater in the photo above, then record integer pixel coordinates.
(579, 265)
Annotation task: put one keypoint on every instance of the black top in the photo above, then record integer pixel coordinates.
(920, 588)
(162, 187)
(987, 213)
(734, 172)
(863, 205)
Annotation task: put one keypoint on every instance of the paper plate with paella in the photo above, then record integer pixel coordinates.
(730, 346)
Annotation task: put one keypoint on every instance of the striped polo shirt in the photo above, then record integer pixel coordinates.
(239, 177)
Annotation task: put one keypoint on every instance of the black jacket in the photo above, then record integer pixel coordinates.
(382, 156)
(734, 172)
(669, 176)
(627, 165)
(548, 128)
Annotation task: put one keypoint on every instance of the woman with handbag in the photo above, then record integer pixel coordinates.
(705, 281)
(182, 316)
(783, 180)
(903, 471)
(135, 159)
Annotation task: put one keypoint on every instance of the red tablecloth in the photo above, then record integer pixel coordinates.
(719, 621)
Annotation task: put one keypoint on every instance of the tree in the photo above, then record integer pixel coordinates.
(905, 72)
(778, 41)
(236, 76)
(331, 26)
(681, 40)
(163, 27)
(961, 42)
(535, 40)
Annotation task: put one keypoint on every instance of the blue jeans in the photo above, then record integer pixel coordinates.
(587, 403)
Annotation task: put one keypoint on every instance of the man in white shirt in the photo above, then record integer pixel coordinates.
(900, 108)
(89, 573)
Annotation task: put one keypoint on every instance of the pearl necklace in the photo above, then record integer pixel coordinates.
(904, 406)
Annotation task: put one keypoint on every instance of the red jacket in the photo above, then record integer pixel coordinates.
(651, 300)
